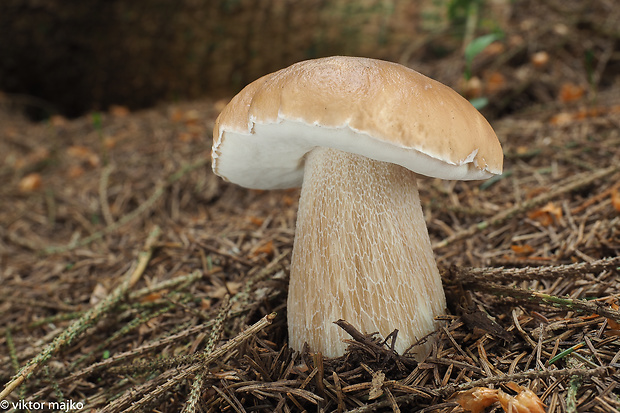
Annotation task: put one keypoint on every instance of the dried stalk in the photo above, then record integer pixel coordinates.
(468, 276)
(590, 307)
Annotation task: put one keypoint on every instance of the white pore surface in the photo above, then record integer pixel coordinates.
(272, 155)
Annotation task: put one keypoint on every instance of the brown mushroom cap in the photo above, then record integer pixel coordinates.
(377, 109)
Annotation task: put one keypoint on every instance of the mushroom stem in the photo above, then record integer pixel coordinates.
(362, 253)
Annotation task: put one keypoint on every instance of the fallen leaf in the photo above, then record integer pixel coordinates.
(287, 200)
(615, 199)
(546, 215)
(191, 117)
(472, 87)
(219, 105)
(495, 82)
(476, 400)
(526, 401)
(75, 172)
(494, 49)
(185, 137)
(119, 111)
(205, 304)
(176, 115)
(30, 182)
(540, 59)
(562, 118)
(522, 249)
(257, 221)
(232, 288)
(109, 142)
(266, 248)
(58, 120)
(522, 150)
(153, 296)
(376, 385)
(569, 92)
(613, 324)
(83, 153)
(99, 293)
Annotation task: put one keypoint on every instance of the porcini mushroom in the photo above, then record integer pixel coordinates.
(355, 133)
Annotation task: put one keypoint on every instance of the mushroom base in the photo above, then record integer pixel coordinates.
(362, 254)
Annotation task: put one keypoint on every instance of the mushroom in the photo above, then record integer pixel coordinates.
(355, 133)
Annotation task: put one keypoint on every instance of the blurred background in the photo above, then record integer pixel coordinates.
(71, 57)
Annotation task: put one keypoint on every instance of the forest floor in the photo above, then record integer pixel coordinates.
(134, 279)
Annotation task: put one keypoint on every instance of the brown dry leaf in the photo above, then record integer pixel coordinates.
(477, 399)
(99, 293)
(79, 152)
(30, 182)
(176, 115)
(219, 105)
(75, 172)
(153, 296)
(516, 40)
(583, 114)
(526, 401)
(287, 200)
(522, 249)
(205, 304)
(495, 82)
(494, 49)
(232, 288)
(256, 221)
(613, 324)
(569, 92)
(119, 111)
(58, 120)
(615, 199)
(376, 385)
(266, 248)
(540, 59)
(191, 117)
(547, 215)
(472, 88)
(83, 153)
(109, 142)
(185, 137)
(562, 118)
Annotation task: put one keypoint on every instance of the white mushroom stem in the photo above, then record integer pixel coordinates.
(362, 254)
